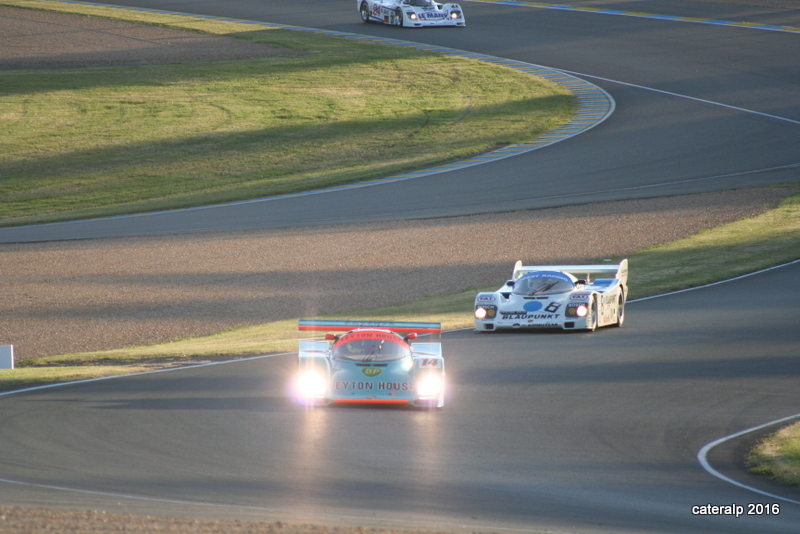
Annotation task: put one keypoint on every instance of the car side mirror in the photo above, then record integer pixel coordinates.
(510, 283)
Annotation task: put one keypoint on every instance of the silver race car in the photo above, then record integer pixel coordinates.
(556, 297)
(411, 13)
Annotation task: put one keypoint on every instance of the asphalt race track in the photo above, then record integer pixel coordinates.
(563, 432)
(545, 432)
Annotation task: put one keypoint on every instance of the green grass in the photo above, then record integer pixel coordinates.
(78, 143)
(778, 456)
(42, 376)
(730, 250)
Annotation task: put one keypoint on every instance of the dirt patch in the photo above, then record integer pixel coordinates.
(14, 520)
(31, 39)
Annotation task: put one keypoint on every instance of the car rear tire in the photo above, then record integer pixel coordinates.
(364, 10)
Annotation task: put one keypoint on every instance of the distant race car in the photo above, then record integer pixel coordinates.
(371, 363)
(556, 296)
(411, 13)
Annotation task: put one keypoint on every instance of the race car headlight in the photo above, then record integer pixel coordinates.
(412, 16)
(430, 385)
(577, 310)
(311, 384)
(455, 15)
(485, 312)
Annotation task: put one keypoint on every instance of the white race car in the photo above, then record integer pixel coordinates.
(556, 297)
(411, 13)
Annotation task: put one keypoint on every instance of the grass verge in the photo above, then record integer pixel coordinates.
(778, 456)
(24, 377)
(90, 142)
(730, 250)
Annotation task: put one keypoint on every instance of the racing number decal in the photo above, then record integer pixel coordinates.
(552, 307)
(429, 362)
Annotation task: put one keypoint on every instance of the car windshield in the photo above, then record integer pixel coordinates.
(543, 284)
(370, 346)
(419, 3)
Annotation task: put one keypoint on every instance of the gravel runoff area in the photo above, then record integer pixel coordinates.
(101, 294)
(32, 39)
(87, 295)
(18, 520)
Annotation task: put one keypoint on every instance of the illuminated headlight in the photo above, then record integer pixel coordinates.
(412, 16)
(485, 312)
(455, 15)
(430, 385)
(311, 384)
(577, 310)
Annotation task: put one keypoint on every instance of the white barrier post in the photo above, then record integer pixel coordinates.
(6, 356)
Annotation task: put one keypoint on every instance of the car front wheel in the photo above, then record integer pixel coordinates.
(595, 311)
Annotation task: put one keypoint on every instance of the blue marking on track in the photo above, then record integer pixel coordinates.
(594, 104)
(622, 13)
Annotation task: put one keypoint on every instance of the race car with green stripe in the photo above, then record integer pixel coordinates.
(372, 362)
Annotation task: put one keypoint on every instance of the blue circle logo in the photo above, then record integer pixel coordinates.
(532, 306)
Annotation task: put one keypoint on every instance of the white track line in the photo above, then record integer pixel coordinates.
(717, 283)
(702, 457)
(687, 97)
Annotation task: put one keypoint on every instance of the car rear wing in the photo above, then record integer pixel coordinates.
(398, 327)
(313, 349)
(619, 271)
(426, 350)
